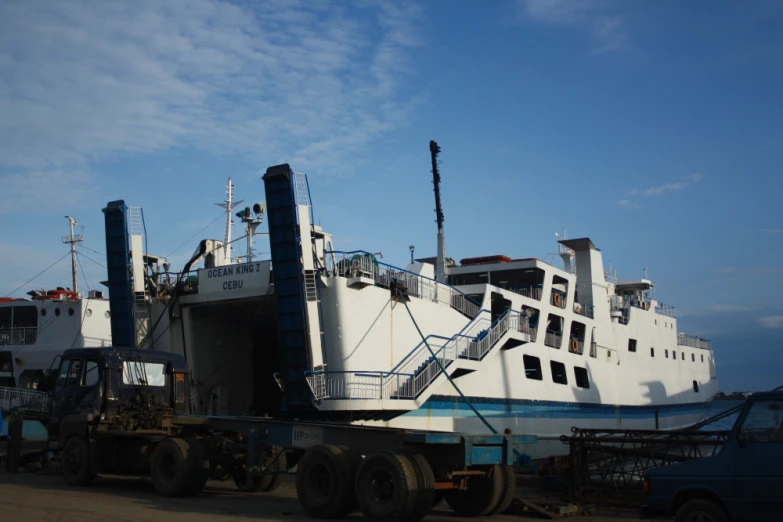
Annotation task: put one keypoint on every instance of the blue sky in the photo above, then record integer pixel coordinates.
(655, 128)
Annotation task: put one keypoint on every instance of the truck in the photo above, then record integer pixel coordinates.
(742, 483)
(126, 411)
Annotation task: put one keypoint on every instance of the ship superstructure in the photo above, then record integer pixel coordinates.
(317, 332)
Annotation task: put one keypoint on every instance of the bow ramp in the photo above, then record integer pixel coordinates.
(421, 372)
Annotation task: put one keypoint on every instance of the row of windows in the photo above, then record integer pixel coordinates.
(632, 348)
(558, 369)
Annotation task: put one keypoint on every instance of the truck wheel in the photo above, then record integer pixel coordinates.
(264, 483)
(700, 510)
(425, 495)
(76, 462)
(386, 487)
(176, 468)
(481, 497)
(509, 490)
(200, 474)
(325, 481)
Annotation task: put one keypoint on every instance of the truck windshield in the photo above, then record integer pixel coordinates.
(138, 373)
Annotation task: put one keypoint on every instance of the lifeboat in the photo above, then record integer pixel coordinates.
(7, 299)
(59, 294)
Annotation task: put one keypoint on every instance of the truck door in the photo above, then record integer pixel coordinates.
(758, 471)
(64, 397)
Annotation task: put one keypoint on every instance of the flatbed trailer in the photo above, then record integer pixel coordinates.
(110, 424)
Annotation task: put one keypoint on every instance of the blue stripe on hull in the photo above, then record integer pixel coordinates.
(447, 406)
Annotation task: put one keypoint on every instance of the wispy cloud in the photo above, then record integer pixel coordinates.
(684, 183)
(83, 80)
(627, 203)
(773, 322)
(716, 310)
(605, 25)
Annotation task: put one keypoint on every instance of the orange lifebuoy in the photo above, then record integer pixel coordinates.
(574, 345)
(557, 300)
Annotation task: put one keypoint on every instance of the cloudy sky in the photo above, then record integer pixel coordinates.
(655, 128)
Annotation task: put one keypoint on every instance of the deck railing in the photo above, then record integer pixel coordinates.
(664, 309)
(584, 310)
(553, 339)
(365, 265)
(694, 342)
(18, 335)
(531, 292)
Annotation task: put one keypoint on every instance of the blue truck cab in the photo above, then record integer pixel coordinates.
(742, 483)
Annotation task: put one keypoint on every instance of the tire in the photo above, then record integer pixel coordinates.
(76, 463)
(700, 510)
(325, 481)
(482, 496)
(200, 474)
(386, 487)
(509, 490)
(176, 468)
(425, 495)
(264, 483)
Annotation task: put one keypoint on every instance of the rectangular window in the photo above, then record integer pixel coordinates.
(693, 357)
(151, 374)
(702, 357)
(532, 367)
(674, 355)
(652, 352)
(90, 374)
(696, 386)
(581, 377)
(666, 354)
(554, 331)
(682, 355)
(558, 372)
(631, 345)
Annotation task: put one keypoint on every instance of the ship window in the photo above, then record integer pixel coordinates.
(43, 312)
(576, 341)
(674, 355)
(558, 372)
(5, 317)
(70, 311)
(631, 345)
(57, 312)
(581, 377)
(532, 319)
(693, 357)
(656, 322)
(25, 316)
(702, 357)
(682, 355)
(666, 355)
(696, 386)
(554, 331)
(652, 352)
(532, 367)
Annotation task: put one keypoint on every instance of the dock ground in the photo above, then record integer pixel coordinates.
(43, 496)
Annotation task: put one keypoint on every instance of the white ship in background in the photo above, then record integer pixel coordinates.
(535, 348)
(35, 330)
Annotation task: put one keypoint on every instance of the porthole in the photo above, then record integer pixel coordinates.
(43, 312)
(57, 312)
(70, 311)
(88, 312)
(107, 314)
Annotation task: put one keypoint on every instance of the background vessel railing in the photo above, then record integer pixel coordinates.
(693, 342)
(584, 310)
(19, 335)
(361, 264)
(25, 400)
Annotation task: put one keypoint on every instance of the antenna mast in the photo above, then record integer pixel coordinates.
(440, 263)
(229, 205)
(73, 240)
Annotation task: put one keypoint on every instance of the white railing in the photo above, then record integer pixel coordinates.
(694, 342)
(24, 400)
(364, 265)
(419, 368)
(18, 335)
(664, 309)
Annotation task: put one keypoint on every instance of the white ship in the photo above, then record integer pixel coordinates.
(534, 348)
(36, 329)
